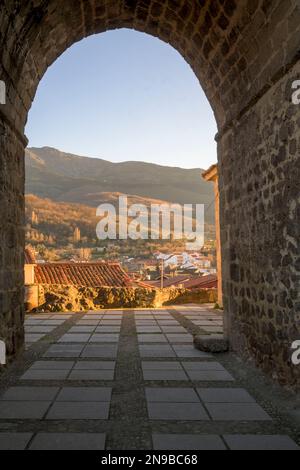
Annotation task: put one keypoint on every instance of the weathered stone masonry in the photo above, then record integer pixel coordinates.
(245, 54)
(261, 230)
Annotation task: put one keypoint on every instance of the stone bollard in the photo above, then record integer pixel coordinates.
(31, 297)
(211, 343)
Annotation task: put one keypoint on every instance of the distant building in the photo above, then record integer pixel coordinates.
(185, 260)
(34, 218)
(29, 263)
(212, 175)
(77, 235)
(187, 282)
(203, 282)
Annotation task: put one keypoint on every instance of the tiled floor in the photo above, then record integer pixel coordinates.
(209, 321)
(71, 370)
(39, 326)
(130, 380)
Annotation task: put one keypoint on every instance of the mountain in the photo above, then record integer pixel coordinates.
(65, 177)
(51, 228)
(59, 219)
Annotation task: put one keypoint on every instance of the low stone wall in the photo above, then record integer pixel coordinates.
(58, 298)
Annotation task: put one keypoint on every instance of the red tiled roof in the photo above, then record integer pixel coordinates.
(87, 274)
(171, 281)
(204, 282)
(29, 256)
(152, 262)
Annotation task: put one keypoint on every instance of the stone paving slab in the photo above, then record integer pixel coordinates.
(152, 338)
(14, 440)
(23, 409)
(173, 329)
(93, 317)
(91, 375)
(177, 412)
(64, 351)
(167, 394)
(187, 442)
(32, 322)
(101, 351)
(148, 329)
(260, 442)
(85, 394)
(78, 411)
(30, 394)
(179, 338)
(110, 322)
(163, 317)
(61, 317)
(112, 317)
(155, 350)
(82, 329)
(38, 317)
(95, 365)
(88, 323)
(38, 329)
(104, 338)
(53, 322)
(158, 365)
(203, 322)
(225, 395)
(52, 365)
(68, 441)
(45, 374)
(237, 412)
(144, 317)
(108, 329)
(75, 338)
(169, 375)
(210, 376)
(202, 366)
(33, 337)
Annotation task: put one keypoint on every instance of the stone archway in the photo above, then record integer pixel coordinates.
(246, 56)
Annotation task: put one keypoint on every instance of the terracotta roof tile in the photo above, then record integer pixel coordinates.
(204, 282)
(171, 281)
(87, 274)
(29, 256)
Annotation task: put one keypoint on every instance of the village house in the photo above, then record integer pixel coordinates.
(186, 282)
(212, 175)
(98, 274)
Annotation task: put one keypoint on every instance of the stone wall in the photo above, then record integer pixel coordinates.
(11, 240)
(54, 298)
(260, 207)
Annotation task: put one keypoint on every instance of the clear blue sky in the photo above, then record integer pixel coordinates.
(124, 95)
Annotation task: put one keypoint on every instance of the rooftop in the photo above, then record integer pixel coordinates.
(87, 274)
(29, 256)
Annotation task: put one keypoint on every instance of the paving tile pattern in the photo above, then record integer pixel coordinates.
(127, 381)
